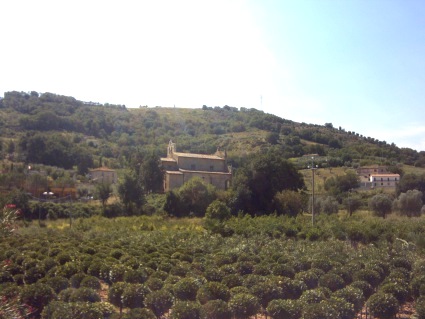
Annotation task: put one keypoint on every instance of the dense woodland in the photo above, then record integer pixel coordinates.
(128, 250)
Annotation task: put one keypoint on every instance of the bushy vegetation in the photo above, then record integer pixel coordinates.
(267, 264)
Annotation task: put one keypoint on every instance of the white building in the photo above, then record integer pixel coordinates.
(384, 180)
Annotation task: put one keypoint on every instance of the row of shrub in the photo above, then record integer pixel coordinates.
(149, 266)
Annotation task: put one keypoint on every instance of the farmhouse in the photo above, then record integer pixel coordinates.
(180, 167)
(384, 180)
(103, 175)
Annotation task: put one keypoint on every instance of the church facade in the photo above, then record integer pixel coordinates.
(180, 167)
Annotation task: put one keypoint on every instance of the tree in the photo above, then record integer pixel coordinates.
(103, 192)
(261, 178)
(288, 202)
(409, 203)
(216, 214)
(159, 302)
(383, 305)
(244, 305)
(411, 181)
(381, 205)
(195, 196)
(341, 184)
(151, 174)
(352, 203)
(328, 205)
(131, 193)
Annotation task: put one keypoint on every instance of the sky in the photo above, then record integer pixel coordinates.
(358, 64)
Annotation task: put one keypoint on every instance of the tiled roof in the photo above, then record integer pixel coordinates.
(174, 172)
(205, 172)
(199, 156)
(102, 169)
(384, 175)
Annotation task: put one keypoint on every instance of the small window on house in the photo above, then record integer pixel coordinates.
(382, 184)
(211, 168)
(193, 167)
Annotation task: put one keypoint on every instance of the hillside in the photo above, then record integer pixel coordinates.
(61, 131)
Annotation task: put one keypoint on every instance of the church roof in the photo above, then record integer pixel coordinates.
(192, 155)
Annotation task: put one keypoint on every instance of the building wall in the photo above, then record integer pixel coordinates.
(201, 164)
(172, 181)
(107, 176)
(383, 181)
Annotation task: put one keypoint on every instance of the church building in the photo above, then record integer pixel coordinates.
(180, 167)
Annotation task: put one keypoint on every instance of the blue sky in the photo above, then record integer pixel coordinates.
(356, 64)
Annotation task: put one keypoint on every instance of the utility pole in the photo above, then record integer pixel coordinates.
(312, 189)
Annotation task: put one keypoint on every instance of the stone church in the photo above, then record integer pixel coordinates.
(180, 167)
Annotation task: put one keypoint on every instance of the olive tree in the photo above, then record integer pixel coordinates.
(409, 203)
(381, 205)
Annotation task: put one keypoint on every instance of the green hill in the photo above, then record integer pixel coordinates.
(61, 131)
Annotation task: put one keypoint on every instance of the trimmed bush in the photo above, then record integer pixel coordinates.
(244, 305)
(215, 309)
(186, 310)
(331, 281)
(284, 309)
(383, 305)
(186, 289)
(159, 302)
(60, 310)
(37, 295)
(134, 295)
(139, 313)
(90, 282)
(58, 283)
(84, 294)
(213, 291)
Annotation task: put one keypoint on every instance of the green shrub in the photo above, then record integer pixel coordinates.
(84, 294)
(352, 295)
(90, 282)
(186, 289)
(314, 296)
(212, 291)
(331, 281)
(244, 305)
(154, 283)
(139, 313)
(420, 307)
(383, 305)
(343, 308)
(76, 279)
(134, 295)
(215, 309)
(232, 280)
(321, 310)
(284, 309)
(159, 302)
(283, 270)
(115, 294)
(138, 276)
(364, 286)
(370, 276)
(60, 310)
(186, 310)
(58, 283)
(37, 295)
(398, 290)
(309, 278)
